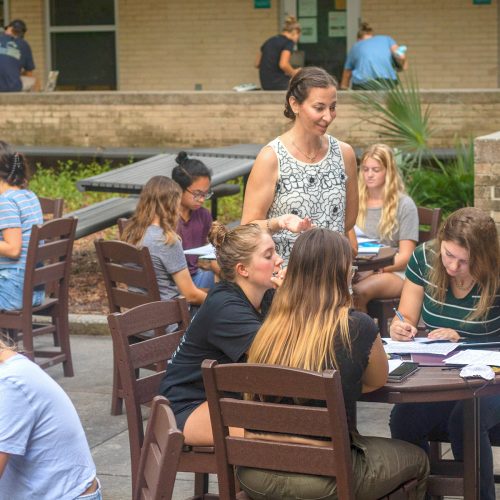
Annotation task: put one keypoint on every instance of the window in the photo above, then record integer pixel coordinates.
(82, 44)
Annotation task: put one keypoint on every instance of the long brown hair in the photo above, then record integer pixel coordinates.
(311, 308)
(475, 231)
(159, 197)
(393, 189)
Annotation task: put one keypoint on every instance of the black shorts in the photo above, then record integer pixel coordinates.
(182, 411)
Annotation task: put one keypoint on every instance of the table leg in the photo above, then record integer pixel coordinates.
(471, 449)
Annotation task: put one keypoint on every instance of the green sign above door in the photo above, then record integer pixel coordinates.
(262, 4)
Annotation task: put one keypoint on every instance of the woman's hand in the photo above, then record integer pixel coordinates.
(402, 331)
(444, 334)
(278, 278)
(294, 223)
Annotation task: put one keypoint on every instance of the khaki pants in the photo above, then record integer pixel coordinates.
(380, 465)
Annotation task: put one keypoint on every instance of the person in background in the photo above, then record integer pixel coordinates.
(311, 326)
(225, 324)
(371, 60)
(44, 453)
(195, 221)
(16, 59)
(273, 59)
(19, 211)
(304, 177)
(153, 226)
(453, 283)
(389, 215)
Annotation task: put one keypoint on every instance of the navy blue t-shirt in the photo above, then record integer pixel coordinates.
(15, 56)
(271, 75)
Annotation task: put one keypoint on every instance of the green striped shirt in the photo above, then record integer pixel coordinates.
(453, 312)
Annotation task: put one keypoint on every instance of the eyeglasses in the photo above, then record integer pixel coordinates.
(201, 195)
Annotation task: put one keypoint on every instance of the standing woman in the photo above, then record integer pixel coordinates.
(273, 60)
(225, 324)
(195, 221)
(454, 283)
(305, 176)
(311, 326)
(153, 226)
(389, 215)
(19, 211)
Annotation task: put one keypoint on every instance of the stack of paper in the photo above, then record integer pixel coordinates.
(204, 252)
(411, 347)
(469, 356)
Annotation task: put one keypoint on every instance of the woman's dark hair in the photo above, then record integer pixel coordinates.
(188, 170)
(304, 80)
(364, 29)
(13, 166)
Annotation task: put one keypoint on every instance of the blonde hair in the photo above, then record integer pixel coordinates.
(475, 231)
(393, 189)
(234, 246)
(291, 24)
(310, 311)
(159, 197)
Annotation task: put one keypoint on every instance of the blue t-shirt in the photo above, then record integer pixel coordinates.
(19, 208)
(371, 58)
(15, 56)
(40, 430)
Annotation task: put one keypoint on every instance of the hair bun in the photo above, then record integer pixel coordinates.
(181, 158)
(217, 234)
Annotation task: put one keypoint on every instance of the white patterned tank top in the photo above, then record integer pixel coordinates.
(316, 190)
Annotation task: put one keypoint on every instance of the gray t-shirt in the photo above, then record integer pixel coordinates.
(407, 216)
(167, 260)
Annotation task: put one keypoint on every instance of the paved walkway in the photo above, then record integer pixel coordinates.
(90, 391)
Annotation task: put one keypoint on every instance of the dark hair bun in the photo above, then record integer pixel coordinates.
(181, 158)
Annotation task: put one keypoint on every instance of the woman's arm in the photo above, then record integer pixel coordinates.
(12, 242)
(258, 59)
(405, 250)
(375, 374)
(193, 294)
(3, 461)
(351, 211)
(346, 79)
(285, 65)
(410, 307)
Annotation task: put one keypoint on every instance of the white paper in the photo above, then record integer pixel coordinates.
(393, 364)
(368, 249)
(395, 347)
(205, 249)
(469, 356)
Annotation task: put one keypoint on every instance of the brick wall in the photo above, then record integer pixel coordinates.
(487, 175)
(451, 43)
(155, 119)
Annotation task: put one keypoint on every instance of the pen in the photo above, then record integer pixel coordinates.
(400, 317)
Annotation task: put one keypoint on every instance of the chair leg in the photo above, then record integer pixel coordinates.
(200, 484)
(62, 333)
(116, 400)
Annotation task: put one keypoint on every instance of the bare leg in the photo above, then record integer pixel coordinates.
(376, 286)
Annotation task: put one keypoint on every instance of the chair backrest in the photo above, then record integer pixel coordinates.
(272, 414)
(128, 272)
(160, 454)
(139, 390)
(48, 261)
(122, 224)
(431, 218)
(52, 208)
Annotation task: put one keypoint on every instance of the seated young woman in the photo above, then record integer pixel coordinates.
(153, 226)
(225, 324)
(453, 283)
(389, 215)
(43, 449)
(195, 221)
(311, 316)
(19, 211)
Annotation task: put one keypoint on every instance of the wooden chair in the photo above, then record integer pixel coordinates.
(226, 410)
(160, 454)
(48, 265)
(136, 390)
(52, 208)
(130, 281)
(383, 309)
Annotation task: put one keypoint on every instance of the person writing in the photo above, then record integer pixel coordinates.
(454, 284)
(19, 211)
(273, 59)
(304, 177)
(389, 215)
(312, 326)
(153, 226)
(43, 449)
(225, 324)
(370, 61)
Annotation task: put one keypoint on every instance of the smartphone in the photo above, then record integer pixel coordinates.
(403, 371)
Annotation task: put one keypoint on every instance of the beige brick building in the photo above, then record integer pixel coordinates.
(211, 45)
